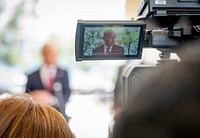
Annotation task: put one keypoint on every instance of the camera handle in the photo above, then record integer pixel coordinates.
(165, 58)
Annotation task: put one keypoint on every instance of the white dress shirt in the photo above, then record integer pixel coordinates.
(46, 72)
(109, 48)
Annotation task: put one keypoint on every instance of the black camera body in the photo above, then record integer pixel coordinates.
(170, 23)
(169, 8)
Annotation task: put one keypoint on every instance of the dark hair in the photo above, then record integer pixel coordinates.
(166, 106)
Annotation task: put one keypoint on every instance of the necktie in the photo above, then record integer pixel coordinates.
(108, 50)
(50, 80)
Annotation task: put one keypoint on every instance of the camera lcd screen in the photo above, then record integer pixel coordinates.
(109, 40)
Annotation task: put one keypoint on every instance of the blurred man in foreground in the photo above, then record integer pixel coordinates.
(50, 83)
(166, 105)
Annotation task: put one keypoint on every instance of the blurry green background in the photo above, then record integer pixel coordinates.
(25, 25)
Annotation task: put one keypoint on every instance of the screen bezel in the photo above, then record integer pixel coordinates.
(79, 40)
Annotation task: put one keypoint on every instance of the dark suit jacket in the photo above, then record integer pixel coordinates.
(116, 50)
(35, 83)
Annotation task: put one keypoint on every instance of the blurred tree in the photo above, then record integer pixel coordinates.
(11, 37)
(130, 40)
(92, 38)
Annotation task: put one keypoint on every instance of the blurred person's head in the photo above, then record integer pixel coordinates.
(166, 106)
(49, 53)
(109, 38)
(21, 116)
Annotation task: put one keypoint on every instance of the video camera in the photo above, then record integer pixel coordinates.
(170, 23)
(162, 24)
